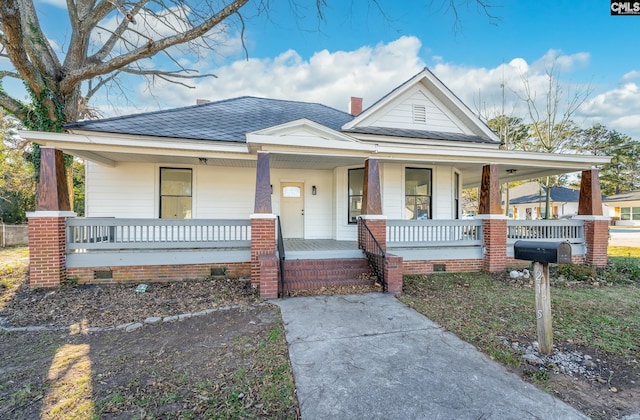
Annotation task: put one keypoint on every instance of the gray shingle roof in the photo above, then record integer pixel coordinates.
(419, 134)
(628, 196)
(227, 120)
(532, 192)
(232, 119)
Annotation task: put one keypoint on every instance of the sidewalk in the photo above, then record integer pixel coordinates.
(371, 357)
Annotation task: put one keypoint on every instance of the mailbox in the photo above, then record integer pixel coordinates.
(543, 251)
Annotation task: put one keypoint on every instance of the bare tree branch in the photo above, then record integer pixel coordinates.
(87, 72)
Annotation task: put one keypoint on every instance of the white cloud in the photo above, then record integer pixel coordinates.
(57, 3)
(634, 74)
(618, 109)
(331, 77)
(327, 77)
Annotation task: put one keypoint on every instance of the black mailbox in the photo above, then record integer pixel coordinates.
(544, 252)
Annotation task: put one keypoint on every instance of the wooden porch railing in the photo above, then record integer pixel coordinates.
(86, 234)
(425, 233)
(571, 230)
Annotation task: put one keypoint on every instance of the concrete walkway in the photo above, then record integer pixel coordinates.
(371, 357)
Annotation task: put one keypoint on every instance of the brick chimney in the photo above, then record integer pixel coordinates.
(201, 101)
(355, 106)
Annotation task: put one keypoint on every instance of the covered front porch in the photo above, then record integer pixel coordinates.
(142, 249)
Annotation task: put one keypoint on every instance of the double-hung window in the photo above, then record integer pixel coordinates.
(356, 181)
(417, 194)
(630, 213)
(175, 193)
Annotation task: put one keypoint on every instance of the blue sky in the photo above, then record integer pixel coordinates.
(358, 51)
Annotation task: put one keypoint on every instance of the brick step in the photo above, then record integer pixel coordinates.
(315, 274)
(329, 269)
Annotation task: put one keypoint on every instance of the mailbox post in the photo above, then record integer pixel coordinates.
(543, 253)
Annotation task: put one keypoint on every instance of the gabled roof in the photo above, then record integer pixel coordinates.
(418, 134)
(444, 103)
(628, 196)
(533, 192)
(227, 120)
(232, 119)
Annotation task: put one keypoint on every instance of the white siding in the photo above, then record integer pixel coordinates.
(438, 117)
(442, 197)
(318, 209)
(393, 186)
(126, 190)
(224, 193)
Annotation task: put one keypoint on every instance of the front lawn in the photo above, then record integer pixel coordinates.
(596, 324)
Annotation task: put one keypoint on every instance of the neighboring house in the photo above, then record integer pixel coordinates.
(528, 201)
(625, 208)
(229, 164)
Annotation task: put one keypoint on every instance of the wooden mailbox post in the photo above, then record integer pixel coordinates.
(543, 253)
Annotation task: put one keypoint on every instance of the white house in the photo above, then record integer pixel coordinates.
(528, 201)
(625, 208)
(203, 163)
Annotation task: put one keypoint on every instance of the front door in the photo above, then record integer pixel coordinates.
(292, 209)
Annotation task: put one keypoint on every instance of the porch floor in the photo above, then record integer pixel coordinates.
(320, 249)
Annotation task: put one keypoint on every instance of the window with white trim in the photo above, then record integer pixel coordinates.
(456, 195)
(356, 181)
(417, 194)
(629, 213)
(175, 193)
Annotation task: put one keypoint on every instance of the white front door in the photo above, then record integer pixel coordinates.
(292, 209)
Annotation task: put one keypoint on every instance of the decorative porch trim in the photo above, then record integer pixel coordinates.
(373, 217)
(263, 216)
(490, 217)
(50, 213)
(607, 218)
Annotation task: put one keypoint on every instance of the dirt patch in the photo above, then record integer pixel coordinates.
(230, 363)
(110, 305)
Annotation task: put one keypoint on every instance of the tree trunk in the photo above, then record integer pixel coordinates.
(547, 202)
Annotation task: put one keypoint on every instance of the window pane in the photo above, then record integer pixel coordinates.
(355, 207)
(354, 196)
(417, 181)
(175, 207)
(635, 213)
(417, 208)
(356, 180)
(175, 181)
(291, 192)
(625, 213)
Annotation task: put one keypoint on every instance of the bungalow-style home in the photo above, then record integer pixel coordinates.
(528, 201)
(293, 194)
(625, 208)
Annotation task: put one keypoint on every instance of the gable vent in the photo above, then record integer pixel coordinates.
(419, 114)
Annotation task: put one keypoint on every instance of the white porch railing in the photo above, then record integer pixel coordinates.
(553, 230)
(86, 234)
(432, 233)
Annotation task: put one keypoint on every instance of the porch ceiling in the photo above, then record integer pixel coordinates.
(512, 165)
(511, 170)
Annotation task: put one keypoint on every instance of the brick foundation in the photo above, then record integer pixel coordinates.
(596, 240)
(494, 238)
(156, 273)
(269, 267)
(47, 250)
(393, 273)
(263, 241)
(451, 266)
